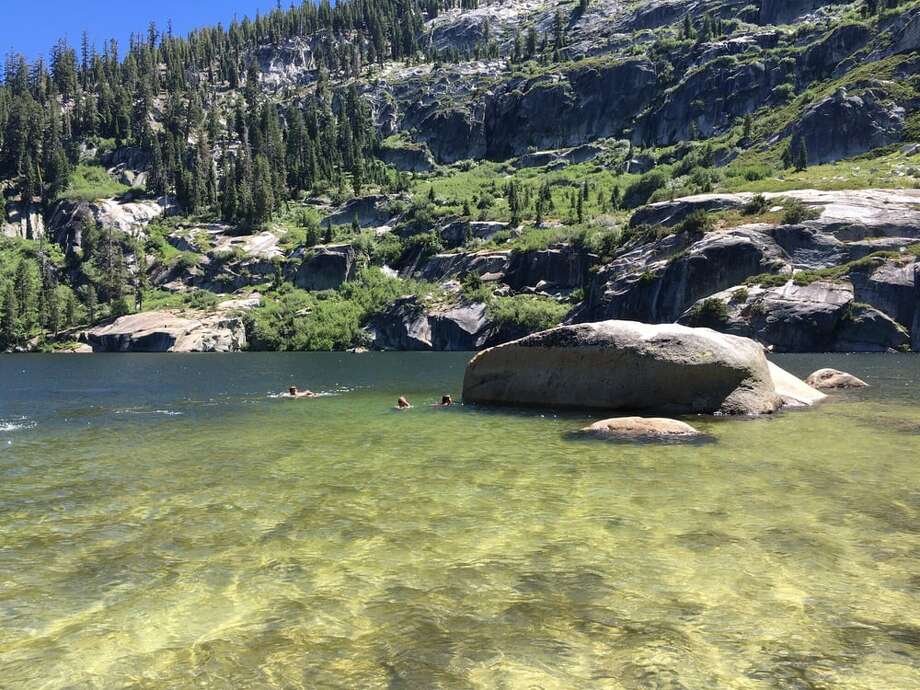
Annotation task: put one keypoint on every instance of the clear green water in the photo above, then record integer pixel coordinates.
(164, 523)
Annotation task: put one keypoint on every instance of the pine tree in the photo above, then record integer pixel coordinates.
(788, 158)
(747, 128)
(616, 197)
(70, 309)
(25, 285)
(91, 302)
(52, 321)
(801, 159)
(10, 330)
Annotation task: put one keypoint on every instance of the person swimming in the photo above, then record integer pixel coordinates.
(295, 393)
(403, 404)
(446, 401)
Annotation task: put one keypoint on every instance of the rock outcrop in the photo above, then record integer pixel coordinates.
(130, 217)
(408, 324)
(841, 126)
(322, 268)
(657, 282)
(166, 331)
(818, 317)
(20, 222)
(623, 365)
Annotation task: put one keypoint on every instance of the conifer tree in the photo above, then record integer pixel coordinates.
(801, 159)
(10, 328)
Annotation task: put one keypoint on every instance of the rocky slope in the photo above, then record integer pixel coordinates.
(604, 169)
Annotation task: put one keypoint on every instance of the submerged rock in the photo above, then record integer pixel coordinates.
(164, 331)
(625, 365)
(826, 379)
(642, 428)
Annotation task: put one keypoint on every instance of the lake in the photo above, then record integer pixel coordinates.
(165, 522)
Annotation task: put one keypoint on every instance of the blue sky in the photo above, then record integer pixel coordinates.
(32, 26)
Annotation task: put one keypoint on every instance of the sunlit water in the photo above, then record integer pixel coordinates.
(166, 523)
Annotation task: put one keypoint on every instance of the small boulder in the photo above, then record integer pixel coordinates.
(642, 428)
(826, 379)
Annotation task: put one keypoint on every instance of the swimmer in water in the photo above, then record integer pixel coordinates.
(403, 404)
(446, 401)
(295, 393)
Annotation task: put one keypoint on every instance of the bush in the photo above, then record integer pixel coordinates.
(527, 312)
(709, 312)
(639, 191)
(757, 205)
(740, 295)
(293, 319)
(796, 212)
(425, 244)
(696, 223)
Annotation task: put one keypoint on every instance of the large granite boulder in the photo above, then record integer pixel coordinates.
(560, 267)
(625, 365)
(841, 126)
(21, 222)
(822, 316)
(407, 158)
(130, 217)
(785, 11)
(892, 287)
(408, 324)
(164, 331)
(849, 215)
(484, 264)
(458, 232)
(371, 211)
(403, 325)
(657, 282)
(322, 268)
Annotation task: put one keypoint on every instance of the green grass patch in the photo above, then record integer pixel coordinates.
(91, 183)
(527, 312)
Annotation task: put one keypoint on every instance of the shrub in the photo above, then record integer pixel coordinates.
(639, 191)
(697, 222)
(474, 289)
(527, 312)
(757, 205)
(709, 312)
(795, 212)
(740, 295)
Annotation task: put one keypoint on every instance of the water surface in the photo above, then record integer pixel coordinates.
(166, 523)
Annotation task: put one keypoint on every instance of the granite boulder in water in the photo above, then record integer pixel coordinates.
(626, 365)
(641, 428)
(826, 379)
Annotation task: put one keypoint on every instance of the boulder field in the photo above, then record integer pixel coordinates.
(630, 366)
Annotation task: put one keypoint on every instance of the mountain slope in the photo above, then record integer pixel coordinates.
(452, 175)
